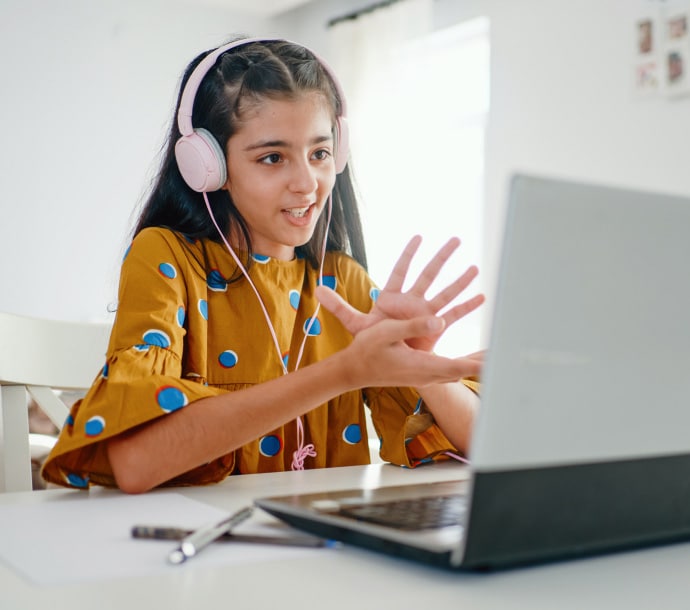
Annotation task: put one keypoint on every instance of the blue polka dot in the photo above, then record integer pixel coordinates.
(286, 357)
(170, 399)
(270, 446)
(76, 481)
(190, 240)
(94, 426)
(418, 407)
(104, 371)
(374, 294)
(352, 434)
(167, 270)
(314, 329)
(142, 347)
(69, 421)
(294, 297)
(156, 337)
(180, 316)
(261, 258)
(124, 256)
(203, 308)
(216, 282)
(329, 281)
(228, 359)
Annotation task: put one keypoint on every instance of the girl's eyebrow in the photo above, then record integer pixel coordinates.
(285, 144)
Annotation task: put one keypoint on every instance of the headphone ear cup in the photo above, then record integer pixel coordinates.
(201, 161)
(342, 152)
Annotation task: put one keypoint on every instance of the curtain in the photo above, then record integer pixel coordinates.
(365, 55)
(363, 47)
(417, 107)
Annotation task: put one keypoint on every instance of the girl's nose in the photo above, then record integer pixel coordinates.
(303, 178)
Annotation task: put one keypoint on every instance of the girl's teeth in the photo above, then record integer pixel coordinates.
(298, 213)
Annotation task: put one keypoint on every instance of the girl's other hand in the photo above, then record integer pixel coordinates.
(380, 355)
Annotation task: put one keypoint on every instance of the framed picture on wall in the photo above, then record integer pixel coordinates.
(647, 70)
(676, 53)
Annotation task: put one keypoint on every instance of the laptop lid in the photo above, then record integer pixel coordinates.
(582, 441)
(590, 342)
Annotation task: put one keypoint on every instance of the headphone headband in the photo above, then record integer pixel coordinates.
(200, 157)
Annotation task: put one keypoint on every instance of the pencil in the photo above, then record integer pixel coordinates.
(157, 532)
(190, 546)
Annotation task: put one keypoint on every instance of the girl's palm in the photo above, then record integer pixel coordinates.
(393, 303)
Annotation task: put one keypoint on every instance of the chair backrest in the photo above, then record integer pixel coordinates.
(39, 356)
(54, 353)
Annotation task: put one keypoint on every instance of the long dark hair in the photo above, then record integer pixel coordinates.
(248, 73)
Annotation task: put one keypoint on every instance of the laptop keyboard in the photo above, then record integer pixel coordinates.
(412, 513)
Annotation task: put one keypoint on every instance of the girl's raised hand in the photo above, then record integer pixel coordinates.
(393, 303)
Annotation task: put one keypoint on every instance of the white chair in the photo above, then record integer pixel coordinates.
(38, 356)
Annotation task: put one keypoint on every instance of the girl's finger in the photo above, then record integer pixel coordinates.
(433, 268)
(350, 318)
(448, 294)
(394, 331)
(397, 277)
(460, 311)
(480, 355)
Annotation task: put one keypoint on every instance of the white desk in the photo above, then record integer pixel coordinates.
(356, 579)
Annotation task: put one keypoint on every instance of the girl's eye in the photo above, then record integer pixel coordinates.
(271, 159)
(322, 154)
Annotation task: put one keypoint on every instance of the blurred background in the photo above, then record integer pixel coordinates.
(447, 99)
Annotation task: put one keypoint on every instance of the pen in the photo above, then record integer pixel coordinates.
(156, 532)
(201, 538)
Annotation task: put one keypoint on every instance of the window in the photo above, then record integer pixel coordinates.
(418, 155)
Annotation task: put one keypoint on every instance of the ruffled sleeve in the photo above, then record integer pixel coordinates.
(408, 434)
(145, 375)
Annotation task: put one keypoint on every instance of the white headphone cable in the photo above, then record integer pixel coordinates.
(302, 451)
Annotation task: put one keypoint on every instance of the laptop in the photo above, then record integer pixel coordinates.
(582, 442)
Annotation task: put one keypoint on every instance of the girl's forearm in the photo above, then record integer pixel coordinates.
(212, 427)
(453, 406)
(215, 426)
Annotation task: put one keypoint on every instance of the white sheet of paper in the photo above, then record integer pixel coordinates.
(75, 540)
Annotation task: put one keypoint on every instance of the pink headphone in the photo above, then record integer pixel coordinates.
(200, 157)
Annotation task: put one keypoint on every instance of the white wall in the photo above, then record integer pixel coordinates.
(87, 95)
(563, 103)
(89, 88)
(562, 100)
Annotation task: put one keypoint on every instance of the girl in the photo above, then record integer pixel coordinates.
(221, 360)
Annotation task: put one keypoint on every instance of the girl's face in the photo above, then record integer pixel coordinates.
(281, 170)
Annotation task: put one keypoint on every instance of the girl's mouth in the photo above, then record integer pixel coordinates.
(297, 212)
(299, 215)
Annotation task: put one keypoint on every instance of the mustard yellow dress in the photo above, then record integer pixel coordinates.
(183, 333)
